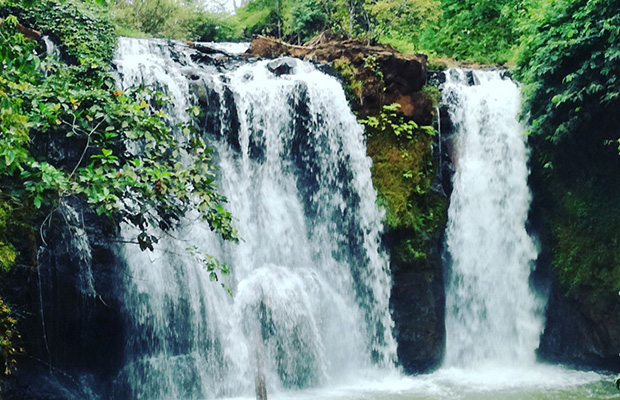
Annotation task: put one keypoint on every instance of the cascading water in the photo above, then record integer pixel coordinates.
(493, 318)
(311, 286)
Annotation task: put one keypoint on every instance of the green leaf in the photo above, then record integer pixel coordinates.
(38, 199)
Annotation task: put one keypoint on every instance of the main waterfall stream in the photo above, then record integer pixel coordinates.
(310, 283)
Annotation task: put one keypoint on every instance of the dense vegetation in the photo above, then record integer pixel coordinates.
(566, 53)
(68, 132)
(570, 66)
(485, 31)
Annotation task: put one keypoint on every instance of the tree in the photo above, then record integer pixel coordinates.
(307, 19)
(265, 17)
(170, 19)
(570, 66)
(482, 30)
(401, 19)
(300, 20)
(348, 17)
(209, 27)
(148, 16)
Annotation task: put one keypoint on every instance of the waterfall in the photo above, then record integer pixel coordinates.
(493, 318)
(310, 284)
(50, 47)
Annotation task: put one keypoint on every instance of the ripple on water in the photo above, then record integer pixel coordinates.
(541, 382)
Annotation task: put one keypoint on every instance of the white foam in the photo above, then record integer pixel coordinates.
(540, 382)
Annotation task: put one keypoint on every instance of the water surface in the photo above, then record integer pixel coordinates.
(542, 382)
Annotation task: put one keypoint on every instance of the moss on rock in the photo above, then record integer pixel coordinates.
(403, 172)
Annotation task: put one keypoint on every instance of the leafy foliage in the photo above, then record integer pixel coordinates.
(214, 28)
(389, 121)
(405, 167)
(307, 18)
(570, 65)
(268, 17)
(585, 243)
(399, 22)
(173, 19)
(7, 250)
(82, 28)
(151, 17)
(301, 20)
(8, 339)
(80, 103)
(66, 131)
(348, 17)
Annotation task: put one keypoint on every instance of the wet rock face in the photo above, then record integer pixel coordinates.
(402, 75)
(417, 304)
(282, 66)
(79, 327)
(582, 331)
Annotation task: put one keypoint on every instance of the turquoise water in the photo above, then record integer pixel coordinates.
(494, 383)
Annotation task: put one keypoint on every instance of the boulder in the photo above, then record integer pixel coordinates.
(282, 66)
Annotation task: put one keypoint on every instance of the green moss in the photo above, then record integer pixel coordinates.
(433, 93)
(7, 251)
(403, 165)
(585, 230)
(353, 86)
(402, 172)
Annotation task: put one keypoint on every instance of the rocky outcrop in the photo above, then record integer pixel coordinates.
(415, 222)
(582, 331)
(282, 66)
(417, 304)
(376, 75)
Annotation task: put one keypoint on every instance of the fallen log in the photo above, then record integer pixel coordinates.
(29, 33)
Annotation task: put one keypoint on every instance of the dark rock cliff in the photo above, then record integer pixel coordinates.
(582, 331)
(70, 315)
(578, 249)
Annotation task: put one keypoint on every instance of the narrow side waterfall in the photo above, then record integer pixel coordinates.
(493, 318)
(310, 283)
